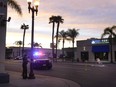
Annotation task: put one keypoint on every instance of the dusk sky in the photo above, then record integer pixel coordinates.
(91, 17)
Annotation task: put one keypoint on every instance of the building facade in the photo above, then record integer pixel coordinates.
(91, 49)
(17, 51)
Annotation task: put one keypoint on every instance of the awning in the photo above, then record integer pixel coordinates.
(101, 48)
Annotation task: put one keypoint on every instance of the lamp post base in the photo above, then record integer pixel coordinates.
(31, 76)
(4, 78)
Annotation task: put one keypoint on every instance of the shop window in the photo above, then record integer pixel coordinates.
(101, 55)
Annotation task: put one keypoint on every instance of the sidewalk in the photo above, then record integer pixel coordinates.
(40, 81)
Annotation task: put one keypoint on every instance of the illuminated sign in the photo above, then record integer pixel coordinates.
(103, 41)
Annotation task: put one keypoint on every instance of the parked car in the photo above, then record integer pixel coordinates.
(41, 61)
(18, 58)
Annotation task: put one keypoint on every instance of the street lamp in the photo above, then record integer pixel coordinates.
(32, 9)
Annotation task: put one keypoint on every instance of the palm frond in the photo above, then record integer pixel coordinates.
(14, 5)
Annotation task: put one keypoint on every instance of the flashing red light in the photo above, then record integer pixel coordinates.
(38, 54)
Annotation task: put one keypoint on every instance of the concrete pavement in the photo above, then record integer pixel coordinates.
(40, 81)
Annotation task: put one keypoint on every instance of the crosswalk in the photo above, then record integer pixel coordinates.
(98, 65)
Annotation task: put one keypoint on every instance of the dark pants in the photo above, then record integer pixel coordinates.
(24, 74)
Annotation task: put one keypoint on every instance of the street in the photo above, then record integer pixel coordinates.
(87, 75)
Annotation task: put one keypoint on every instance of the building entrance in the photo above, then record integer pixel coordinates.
(84, 56)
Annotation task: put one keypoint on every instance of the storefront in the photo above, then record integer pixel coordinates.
(101, 52)
(91, 49)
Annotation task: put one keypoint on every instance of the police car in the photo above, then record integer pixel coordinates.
(40, 61)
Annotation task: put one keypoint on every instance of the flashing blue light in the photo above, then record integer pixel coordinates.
(38, 54)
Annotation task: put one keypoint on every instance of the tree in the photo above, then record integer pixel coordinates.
(37, 45)
(18, 43)
(14, 5)
(24, 27)
(63, 36)
(52, 20)
(72, 34)
(58, 21)
(110, 31)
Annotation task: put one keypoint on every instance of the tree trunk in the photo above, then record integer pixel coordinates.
(73, 50)
(57, 38)
(53, 41)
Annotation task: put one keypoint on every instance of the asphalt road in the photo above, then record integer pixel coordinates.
(87, 75)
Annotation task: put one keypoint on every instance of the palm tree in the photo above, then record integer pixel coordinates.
(111, 36)
(24, 27)
(72, 34)
(110, 32)
(63, 37)
(52, 19)
(37, 45)
(58, 21)
(14, 5)
(18, 43)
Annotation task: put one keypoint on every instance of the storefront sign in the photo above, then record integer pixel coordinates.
(102, 41)
(101, 48)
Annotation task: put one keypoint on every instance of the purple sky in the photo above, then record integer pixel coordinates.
(91, 17)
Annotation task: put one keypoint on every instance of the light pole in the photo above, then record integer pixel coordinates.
(33, 9)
